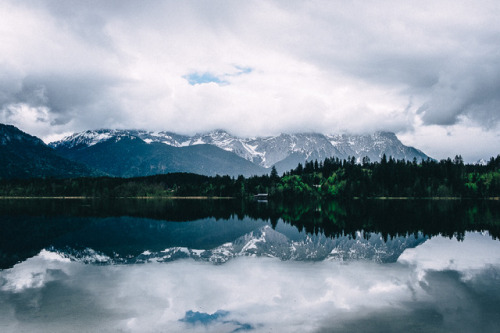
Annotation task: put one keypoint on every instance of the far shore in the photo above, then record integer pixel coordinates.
(429, 198)
(229, 198)
(83, 197)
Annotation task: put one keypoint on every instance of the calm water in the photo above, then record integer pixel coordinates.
(228, 266)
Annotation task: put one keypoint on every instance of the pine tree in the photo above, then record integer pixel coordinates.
(274, 174)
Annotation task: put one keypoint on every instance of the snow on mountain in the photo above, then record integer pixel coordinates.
(285, 149)
(374, 146)
(86, 139)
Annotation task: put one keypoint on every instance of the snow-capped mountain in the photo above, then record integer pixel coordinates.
(92, 137)
(267, 242)
(284, 151)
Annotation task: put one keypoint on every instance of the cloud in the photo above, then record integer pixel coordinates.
(466, 138)
(253, 68)
(471, 93)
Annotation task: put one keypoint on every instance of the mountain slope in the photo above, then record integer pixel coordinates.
(26, 156)
(127, 155)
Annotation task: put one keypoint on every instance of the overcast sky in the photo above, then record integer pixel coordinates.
(427, 70)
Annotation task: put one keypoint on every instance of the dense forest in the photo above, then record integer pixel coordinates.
(331, 178)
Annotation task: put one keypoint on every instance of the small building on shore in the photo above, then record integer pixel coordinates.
(260, 196)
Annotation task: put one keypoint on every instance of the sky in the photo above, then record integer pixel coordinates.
(428, 70)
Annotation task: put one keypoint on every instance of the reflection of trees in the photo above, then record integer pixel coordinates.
(394, 217)
(160, 209)
(451, 218)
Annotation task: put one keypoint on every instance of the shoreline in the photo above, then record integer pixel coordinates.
(427, 198)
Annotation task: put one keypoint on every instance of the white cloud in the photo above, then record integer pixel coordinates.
(466, 138)
(29, 118)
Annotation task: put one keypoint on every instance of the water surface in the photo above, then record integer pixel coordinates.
(226, 266)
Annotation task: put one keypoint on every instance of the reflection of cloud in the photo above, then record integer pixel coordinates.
(33, 273)
(263, 294)
(448, 304)
(473, 253)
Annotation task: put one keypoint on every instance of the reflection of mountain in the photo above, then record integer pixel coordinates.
(267, 242)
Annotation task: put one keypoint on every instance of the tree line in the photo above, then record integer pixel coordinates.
(330, 178)
(393, 178)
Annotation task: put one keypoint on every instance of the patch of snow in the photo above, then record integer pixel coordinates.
(198, 142)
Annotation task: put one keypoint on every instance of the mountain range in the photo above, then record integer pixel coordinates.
(132, 153)
(148, 152)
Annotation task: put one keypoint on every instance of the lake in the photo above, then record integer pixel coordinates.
(156, 265)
